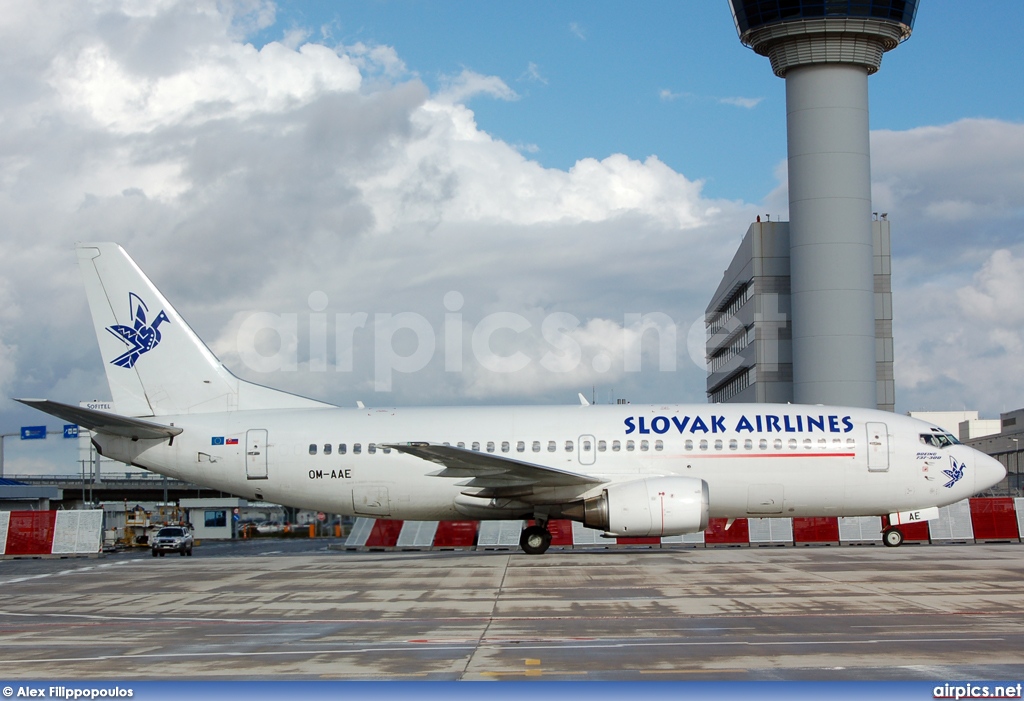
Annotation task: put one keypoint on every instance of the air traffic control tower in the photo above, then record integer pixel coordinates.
(825, 50)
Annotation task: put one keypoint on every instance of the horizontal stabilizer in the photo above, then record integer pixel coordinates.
(488, 471)
(101, 421)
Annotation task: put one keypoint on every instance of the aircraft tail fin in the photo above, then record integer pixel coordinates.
(156, 365)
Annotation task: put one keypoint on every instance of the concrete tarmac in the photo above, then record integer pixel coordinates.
(297, 610)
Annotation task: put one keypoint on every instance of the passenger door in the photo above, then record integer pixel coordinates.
(878, 447)
(256, 454)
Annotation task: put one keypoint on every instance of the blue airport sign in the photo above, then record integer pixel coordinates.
(70, 431)
(33, 433)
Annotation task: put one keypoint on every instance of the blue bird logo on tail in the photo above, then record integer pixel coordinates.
(955, 474)
(141, 337)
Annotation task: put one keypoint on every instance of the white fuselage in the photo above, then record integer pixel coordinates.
(758, 460)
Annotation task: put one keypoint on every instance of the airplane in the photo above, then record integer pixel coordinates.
(624, 469)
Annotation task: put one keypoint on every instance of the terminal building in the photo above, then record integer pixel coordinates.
(750, 325)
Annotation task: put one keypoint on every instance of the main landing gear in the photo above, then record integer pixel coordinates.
(535, 540)
(892, 537)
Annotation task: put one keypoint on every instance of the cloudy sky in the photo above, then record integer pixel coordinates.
(511, 193)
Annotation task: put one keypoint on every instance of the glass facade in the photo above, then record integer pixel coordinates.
(752, 14)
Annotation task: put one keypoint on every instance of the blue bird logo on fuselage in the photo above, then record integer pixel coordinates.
(141, 337)
(955, 474)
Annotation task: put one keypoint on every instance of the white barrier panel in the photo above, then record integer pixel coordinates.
(1018, 508)
(581, 535)
(499, 533)
(954, 523)
(77, 532)
(360, 532)
(860, 529)
(770, 530)
(688, 539)
(5, 520)
(417, 534)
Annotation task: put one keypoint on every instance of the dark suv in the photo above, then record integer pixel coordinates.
(172, 539)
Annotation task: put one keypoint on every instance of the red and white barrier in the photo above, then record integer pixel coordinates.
(981, 520)
(50, 532)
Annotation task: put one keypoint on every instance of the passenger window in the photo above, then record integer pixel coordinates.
(568, 446)
(536, 446)
(342, 449)
(602, 446)
(616, 447)
(476, 445)
(630, 445)
(792, 443)
(552, 447)
(777, 444)
(718, 444)
(659, 445)
(504, 446)
(703, 444)
(490, 446)
(748, 444)
(327, 448)
(521, 446)
(822, 442)
(688, 445)
(807, 444)
(312, 448)
(357, 448)
(387, 451)
(371, 448)
(762, 444)
(461, 445)
(644, 445)
(733, 444)
(586, 446)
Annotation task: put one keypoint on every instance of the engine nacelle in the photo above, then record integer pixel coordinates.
(657, 506)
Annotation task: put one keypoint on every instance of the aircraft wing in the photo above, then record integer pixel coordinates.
(101, 421)
(489, 471)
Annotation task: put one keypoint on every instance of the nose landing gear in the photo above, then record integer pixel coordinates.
(892, 537)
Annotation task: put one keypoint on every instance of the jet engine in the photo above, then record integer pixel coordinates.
(657, 506)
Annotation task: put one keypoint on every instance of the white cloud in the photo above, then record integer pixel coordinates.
(533, 74)
(469, 84)
(244, 179)
(577, 31)
(744, 102)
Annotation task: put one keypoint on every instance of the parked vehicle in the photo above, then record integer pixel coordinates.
(173, 539)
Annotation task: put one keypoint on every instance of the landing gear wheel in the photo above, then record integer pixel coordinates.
(155, 553)
(535, 540)
(892, 537)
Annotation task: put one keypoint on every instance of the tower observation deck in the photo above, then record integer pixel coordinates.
(825, 50)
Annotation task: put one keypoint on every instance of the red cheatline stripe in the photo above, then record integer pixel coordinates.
(772, 455)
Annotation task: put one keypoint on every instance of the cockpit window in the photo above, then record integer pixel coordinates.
(939, 440)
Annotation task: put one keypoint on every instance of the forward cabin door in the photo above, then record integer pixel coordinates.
(878, 447)
(256, 454)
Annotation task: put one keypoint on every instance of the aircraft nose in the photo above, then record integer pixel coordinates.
(988, 472)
